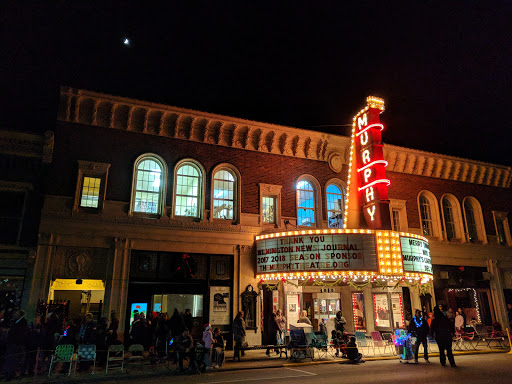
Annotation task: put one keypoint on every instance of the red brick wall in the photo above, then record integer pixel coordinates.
(75, 142)
(407, 187)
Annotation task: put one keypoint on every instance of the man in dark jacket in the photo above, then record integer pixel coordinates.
(443, 331)
(16, 342)
(419, 328)
(87, 333)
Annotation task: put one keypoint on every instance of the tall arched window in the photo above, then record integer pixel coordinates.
(470, 221)
(449, 219)
(224, 194)
(335, 199)
(305, 203)
(149, 181)
(427, 223)
(188, 193)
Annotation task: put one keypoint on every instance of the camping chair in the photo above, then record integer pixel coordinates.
(361, 341)
(468, 338)
(299, 346)
(457, 342)
(136, 354)
(115, 354)
(63, 354)
(378, 342)
(86, 352)
(320, 342)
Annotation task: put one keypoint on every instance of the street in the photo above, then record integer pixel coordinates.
(495, 368)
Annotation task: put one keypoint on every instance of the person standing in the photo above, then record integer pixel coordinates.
(419, 328)
(208, 345)
(272, 331)
(443, 331)
(459, 322)
(239, 334)
(304, 318)
(188, 320)
(16, 342)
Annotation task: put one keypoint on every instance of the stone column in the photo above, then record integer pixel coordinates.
(42, 273)
(116, 287)
(498, 298)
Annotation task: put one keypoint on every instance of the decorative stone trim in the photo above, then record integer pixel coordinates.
(27, 145)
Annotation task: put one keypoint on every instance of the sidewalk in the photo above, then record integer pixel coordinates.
(252, 360)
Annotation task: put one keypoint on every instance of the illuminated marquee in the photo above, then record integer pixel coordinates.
(371, 181)
(340, 252)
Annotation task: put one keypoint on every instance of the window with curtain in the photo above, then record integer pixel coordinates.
(305, 203)
(426, 216)
(335, 198)
(449, 220)
(223, 195)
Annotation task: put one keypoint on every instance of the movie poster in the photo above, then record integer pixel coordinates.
(220, 305)
(381, 306)
(359, 314)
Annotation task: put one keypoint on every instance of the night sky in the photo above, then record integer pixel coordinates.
(444, 68)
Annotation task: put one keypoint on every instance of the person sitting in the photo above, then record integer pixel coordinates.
(352, 352)
(218, 348)
(185, 349)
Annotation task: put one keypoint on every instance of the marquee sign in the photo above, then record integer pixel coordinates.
(416, 254)
(340, 251)
(372, 184)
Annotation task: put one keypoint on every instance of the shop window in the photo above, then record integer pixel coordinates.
(429, 214)
(188, 191)
(148, 189)
(475, 229)
(270, 198)
(307, 205)
(90, 186)
(12, 210)
(502, 228)
(226, 193)
(335, 200)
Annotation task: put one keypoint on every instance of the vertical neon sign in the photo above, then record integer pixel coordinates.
(370, 167)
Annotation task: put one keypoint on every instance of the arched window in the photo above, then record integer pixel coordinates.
(226, 193)
(305, 203)
(189, 187)
(335, 200)
(449, 220)
(475, 228)
(149, 181)
(427, 223)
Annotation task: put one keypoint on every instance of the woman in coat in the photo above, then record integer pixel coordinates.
(272, 330)
(239, 334)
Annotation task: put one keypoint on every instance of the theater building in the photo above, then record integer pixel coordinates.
(153, 207)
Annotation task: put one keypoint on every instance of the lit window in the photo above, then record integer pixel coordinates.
(449, 221)
(426, 216)
(305, 203)
(396, 220)
(268, 206)
(90, 192)
(149, 182)
(335, 201)
(223, 195)
(188, 191)
(470, 221)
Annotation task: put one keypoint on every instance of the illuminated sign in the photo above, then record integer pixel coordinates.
(337, 252)
(342, 252)
(371, 181)
(416, 254)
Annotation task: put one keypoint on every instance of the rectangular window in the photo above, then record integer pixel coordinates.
(500, 231)
(396, 220)
(90, 192)
(12, 206)
(502, 228)
(268, 206)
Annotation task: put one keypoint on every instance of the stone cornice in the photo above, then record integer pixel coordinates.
(97, 109)
(92, 108)
(27, 145)
(422, 163)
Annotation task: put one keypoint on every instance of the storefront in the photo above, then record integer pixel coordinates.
(367, 274)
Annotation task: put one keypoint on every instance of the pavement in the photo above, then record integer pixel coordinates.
(253, 360)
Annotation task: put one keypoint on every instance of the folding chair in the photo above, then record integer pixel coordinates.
(63, 354)
(378, 342)
(361, 341)
(86, 352)
(115, 354)
(136, 354)
(319, 342)
(457, 342)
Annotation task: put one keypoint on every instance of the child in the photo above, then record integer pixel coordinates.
(352, 353)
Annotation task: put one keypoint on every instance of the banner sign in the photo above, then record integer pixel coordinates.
(339, 252)
(416, 255)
